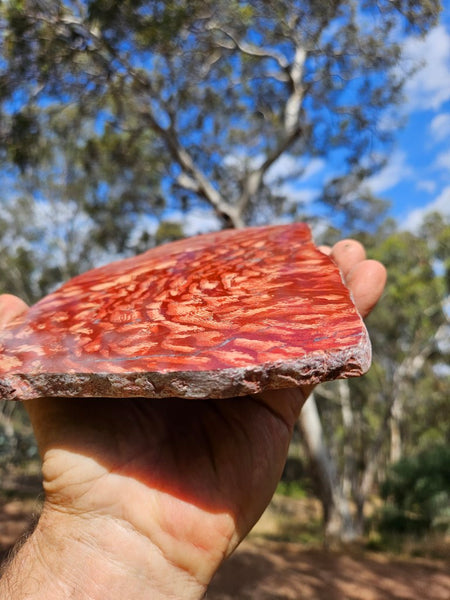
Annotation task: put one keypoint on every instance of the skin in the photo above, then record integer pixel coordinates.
(146, 498)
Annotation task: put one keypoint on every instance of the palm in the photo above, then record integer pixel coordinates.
(200, 470)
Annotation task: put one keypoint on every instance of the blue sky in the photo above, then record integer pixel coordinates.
(420, 167)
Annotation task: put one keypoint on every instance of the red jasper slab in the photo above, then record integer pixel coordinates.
(217, 315)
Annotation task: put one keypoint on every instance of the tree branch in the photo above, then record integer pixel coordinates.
(192, 178)
(295, 100)
(247, 48)
(253, 181)
(292, 74)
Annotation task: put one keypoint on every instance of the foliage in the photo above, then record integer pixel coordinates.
(412, 305)
(292, 489)
(397, 408)
(417, 493)
(168, 232)
(17, 443)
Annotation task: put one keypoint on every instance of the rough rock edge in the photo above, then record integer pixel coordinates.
(227, 383)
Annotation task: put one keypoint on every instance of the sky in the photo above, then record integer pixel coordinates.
(417, 178)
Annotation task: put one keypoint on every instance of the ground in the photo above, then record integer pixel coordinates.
(262, 570)
(265, 568)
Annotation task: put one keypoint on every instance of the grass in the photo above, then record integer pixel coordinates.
(432, 545)
(292, 489)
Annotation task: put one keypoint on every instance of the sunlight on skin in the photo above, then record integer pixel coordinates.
(364, 277)
(175, 483)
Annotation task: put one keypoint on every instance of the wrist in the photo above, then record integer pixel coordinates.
(95, 558)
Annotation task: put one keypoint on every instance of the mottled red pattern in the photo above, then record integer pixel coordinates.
(236, 299)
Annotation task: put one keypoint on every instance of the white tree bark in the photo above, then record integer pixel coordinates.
(348, 474)
(337, 516)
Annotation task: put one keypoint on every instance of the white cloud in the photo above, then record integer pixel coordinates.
(429, 88)
(314, 166)
(239, 161)
(443, 160)
(426, 185)
(288, 176)
(283, 167)
(297, 195)
(440, 204)
(301, 171)
(201, 221)
(196, 221)
(291, 166)
(440, 127)
(146, 224)
(319, 228)
(394, 171)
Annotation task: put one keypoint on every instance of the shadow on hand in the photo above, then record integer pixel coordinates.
(181, 461)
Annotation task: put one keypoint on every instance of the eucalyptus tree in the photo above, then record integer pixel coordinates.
(399, 407)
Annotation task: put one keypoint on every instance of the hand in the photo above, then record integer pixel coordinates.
(147, 497)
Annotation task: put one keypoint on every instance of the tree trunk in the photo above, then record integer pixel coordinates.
(396, 438)
(348, 422)
(338, 522)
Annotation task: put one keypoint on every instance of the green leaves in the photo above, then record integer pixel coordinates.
(412, 307)
(24, 139)
(417, 493)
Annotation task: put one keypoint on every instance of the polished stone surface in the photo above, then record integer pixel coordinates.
(217, 315)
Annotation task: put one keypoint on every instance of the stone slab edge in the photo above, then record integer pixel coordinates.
(227, 383)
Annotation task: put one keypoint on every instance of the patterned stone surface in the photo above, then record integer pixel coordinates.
(218, 315)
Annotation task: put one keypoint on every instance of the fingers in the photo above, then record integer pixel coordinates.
(365, 278)
(10, 308)
(347, 254)
(366, 281)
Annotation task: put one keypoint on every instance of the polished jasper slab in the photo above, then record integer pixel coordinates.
(217, 315)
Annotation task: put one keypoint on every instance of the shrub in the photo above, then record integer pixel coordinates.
(417, 493)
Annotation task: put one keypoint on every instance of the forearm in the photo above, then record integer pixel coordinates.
(78, 558)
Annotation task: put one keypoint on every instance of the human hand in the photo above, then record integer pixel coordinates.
(145, 498)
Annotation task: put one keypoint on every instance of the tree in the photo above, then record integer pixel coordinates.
(399, 404)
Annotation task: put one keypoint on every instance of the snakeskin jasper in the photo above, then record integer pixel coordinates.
(217, 315)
